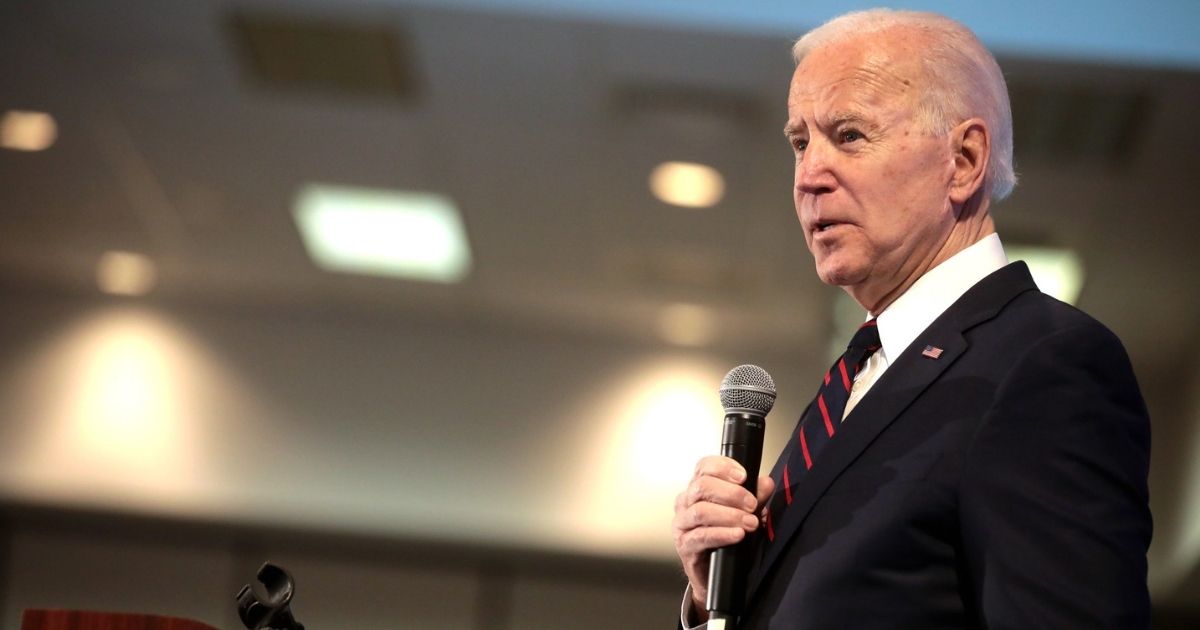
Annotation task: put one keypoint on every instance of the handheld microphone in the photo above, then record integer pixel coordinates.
(747, 394)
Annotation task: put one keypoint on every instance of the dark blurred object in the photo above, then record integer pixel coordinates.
(87, 620)
(270, 612)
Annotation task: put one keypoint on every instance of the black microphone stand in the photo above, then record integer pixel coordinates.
(271, 612)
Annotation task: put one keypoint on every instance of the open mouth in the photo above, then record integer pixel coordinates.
(821, 227)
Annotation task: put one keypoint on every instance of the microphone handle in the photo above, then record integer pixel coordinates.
(741, 440)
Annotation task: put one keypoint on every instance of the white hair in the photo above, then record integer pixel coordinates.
(963, 79)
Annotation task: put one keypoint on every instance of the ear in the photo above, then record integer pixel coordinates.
(970, 142)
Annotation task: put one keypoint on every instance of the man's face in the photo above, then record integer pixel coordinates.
(871, 185)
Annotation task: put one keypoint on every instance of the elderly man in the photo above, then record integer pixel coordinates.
(978, 458)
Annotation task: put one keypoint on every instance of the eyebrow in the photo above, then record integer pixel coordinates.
(840, 118)
(834, 121)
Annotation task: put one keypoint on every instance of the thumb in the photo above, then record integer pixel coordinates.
(766, 486)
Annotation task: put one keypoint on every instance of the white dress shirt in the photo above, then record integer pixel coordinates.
(924, 302)
(906, 317)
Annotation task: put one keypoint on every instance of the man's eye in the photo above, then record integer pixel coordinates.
(851, 135)
(799, 144)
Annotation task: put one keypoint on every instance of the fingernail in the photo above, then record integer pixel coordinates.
(750, 521)
(738, 474)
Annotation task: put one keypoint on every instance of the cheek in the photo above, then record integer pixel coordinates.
(800, 220)
(907, 162)
(918, 177)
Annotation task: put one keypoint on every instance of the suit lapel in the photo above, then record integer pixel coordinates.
(905, 379)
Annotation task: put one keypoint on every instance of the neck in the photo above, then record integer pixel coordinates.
(964, 234)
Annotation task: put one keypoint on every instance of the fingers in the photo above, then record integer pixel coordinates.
(717, 480)
(701, 526)
(693, 546)
(713, 511)
(712, 515)
(720, 467)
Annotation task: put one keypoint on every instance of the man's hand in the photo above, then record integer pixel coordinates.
(714, 511)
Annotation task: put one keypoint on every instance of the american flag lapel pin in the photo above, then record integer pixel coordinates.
(932, 352)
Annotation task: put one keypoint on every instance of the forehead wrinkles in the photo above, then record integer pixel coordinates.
(867, 79)
(880, 79)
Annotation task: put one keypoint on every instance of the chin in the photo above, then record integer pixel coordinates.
(838, 275)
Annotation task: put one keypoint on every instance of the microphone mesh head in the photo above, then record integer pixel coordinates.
(748, 387)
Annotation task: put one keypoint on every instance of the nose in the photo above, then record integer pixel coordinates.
(814, 174)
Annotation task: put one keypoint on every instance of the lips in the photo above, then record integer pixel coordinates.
(825, 225)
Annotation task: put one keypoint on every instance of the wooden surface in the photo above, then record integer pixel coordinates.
(87, 620)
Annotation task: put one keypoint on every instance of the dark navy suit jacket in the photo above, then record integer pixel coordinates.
(1000, 485)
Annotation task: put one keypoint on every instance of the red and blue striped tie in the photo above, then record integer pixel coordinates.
(820, 423)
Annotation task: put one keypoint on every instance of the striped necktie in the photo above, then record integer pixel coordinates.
(820, 422)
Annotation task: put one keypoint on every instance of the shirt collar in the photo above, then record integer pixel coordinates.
(934, 292)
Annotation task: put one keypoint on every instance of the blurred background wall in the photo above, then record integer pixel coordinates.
(186, 391)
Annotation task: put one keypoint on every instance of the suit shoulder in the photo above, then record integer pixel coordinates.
(1034, 333)
(1035, 315)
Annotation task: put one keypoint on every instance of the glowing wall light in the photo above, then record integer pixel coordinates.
(687, 184)
(27, 131)
(662, 419)
(112, 412)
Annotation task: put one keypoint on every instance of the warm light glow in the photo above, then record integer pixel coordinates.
(687, 325)
(121, 427)
(1057, 272)
(124, 411)
(687, 184)
(125, 273)
(27, 131)
(661, 420)
(409, 235)
(127, 389)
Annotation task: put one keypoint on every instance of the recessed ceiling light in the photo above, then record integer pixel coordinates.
(1057, 271)
(411, 235)
(125, 273)
(27, 131)
(687, 184)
